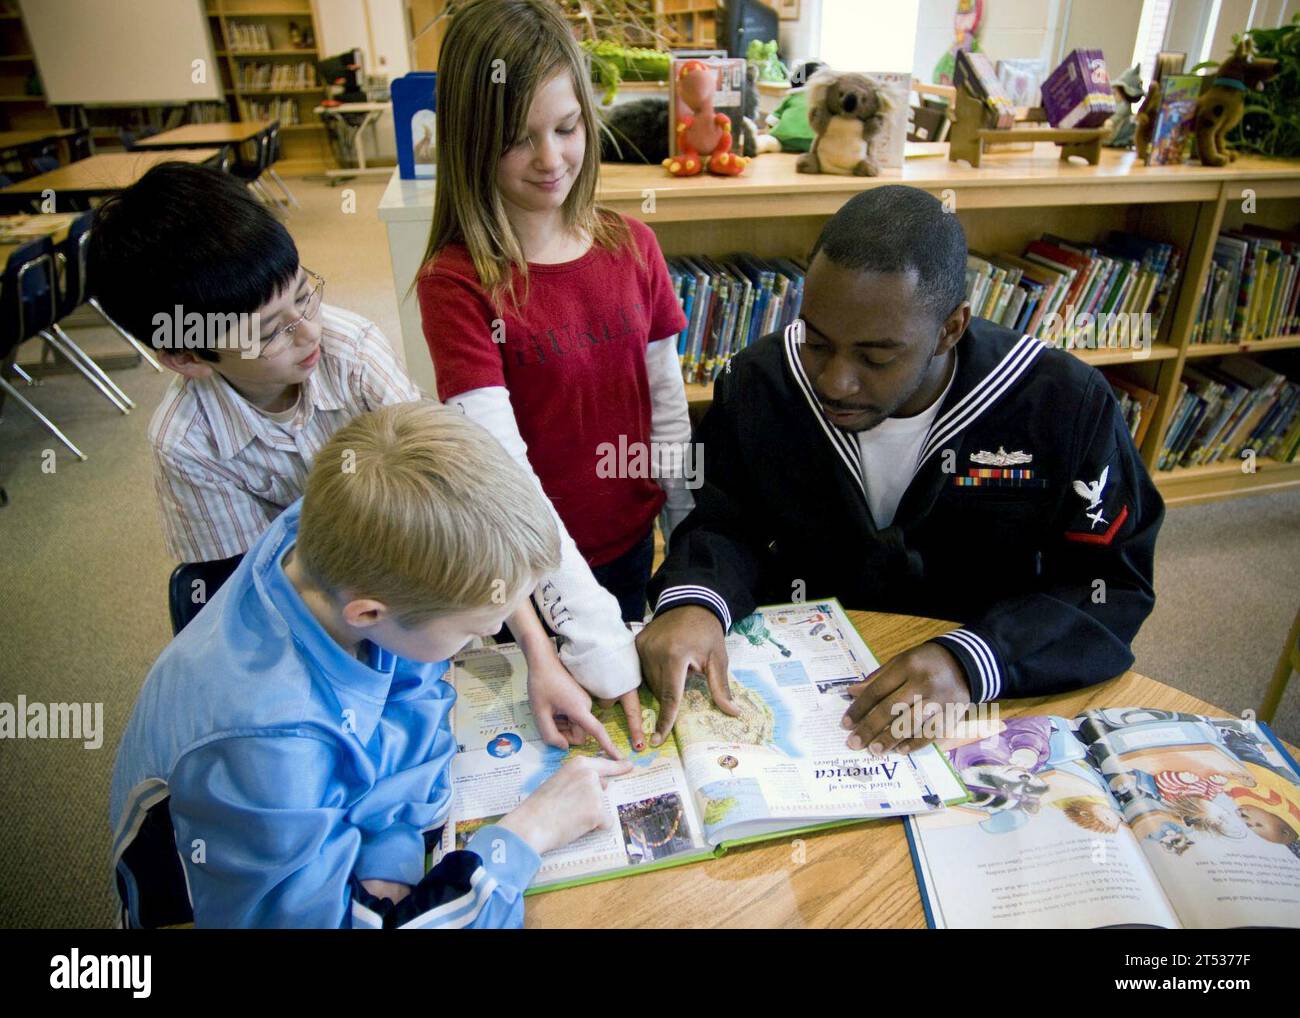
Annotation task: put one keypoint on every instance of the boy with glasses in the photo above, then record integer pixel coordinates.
(266, 372)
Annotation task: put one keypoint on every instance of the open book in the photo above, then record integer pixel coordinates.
(1118, 817)
(779, 768)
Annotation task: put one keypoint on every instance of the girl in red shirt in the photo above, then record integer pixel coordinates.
(553, 323)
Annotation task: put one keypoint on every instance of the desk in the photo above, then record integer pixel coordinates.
(206, 135)
(859, 876)
(17, 230)
(99, 175)
(370, 113)
(11, 141)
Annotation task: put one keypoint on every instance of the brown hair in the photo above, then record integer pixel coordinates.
(494, 58)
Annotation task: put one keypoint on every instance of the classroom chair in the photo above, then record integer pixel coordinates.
(69, 293)
(72, 259)
(129, 138)
(272, 158)
(249, 166)
(27, 306)
(81, 145)
(1289, 662)
(183, 600)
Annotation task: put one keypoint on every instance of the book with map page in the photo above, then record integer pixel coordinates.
(1122, 816)
(780, 768)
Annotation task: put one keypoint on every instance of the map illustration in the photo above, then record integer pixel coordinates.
(699, 720)
(616, 724)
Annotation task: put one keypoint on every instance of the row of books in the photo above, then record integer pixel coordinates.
(283, 110)
(1252, 288)
(207, 113)
(267, 77)
(245, 36)
(1224, 410)
(729, 303)
(1074, 294)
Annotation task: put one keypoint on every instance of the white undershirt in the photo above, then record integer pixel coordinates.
(282, 417)
(889, 453)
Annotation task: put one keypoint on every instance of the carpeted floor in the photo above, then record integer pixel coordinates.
(83, 586)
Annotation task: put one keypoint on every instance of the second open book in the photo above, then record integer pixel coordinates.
(780, 768)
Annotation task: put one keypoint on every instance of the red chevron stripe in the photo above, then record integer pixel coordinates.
(1103, 539)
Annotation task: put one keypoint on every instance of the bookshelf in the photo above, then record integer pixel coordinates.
(261, 60)
(1012, 199)
(21, 108)
(688, 23)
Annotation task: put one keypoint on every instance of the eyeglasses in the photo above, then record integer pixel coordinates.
(282, 338)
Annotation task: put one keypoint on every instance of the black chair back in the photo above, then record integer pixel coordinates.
(71, 255)
(28, 296)
(80, 145)
(192, 585)
(249, 169)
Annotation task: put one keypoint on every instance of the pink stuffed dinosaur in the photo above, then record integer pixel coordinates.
(703, 135)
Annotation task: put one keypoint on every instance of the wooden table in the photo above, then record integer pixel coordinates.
(12, 140)
(99, 175)
(206, 135)
(18, 230)
(860, 876)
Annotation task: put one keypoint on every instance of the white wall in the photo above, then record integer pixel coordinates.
(877, 36)
(1011, 29)
(1108, 25)
(342, 26)
(855, 31)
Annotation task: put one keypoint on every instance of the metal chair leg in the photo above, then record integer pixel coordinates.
(259, 192)
(74, 357)
(93, 365)
(18, 370)
(268, 195)
(10, 390)
(139, 347)
(279, 182)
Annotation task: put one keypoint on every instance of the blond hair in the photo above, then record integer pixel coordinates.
(494, 58)
(418, 507)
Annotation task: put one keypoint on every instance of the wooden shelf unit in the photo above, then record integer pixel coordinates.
(1014, 197)
(304, 147)
(688, 23)
(19, 109)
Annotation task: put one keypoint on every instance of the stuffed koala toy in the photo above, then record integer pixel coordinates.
(845, 111)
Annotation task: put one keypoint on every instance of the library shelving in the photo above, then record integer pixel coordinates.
(22, 108)
(1013, 198)
(304, 145)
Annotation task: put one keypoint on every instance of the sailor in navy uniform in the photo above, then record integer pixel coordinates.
(892, 451)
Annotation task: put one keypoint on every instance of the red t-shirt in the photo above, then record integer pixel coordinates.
(573, 360)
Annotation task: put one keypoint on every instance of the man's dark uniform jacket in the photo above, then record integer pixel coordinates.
(1029, 519)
